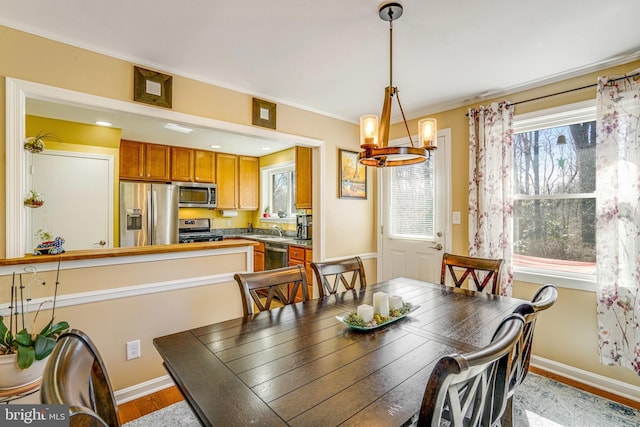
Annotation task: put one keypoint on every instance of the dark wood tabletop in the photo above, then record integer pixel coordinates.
(299, 366)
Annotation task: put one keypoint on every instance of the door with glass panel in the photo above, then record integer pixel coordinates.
(414, 226)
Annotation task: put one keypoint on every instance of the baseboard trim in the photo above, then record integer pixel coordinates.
(143, 389)
(610, 388)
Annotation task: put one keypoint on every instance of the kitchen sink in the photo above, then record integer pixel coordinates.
(266, 237)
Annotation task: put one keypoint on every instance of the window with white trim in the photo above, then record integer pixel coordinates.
(279, 190)
(554, 175)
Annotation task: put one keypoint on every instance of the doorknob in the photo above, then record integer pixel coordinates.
(102, 243)
(439, 234)
(438, 247)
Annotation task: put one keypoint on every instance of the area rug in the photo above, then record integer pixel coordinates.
(539, 402)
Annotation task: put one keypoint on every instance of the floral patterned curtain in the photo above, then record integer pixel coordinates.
(490, 198)
(618, 220)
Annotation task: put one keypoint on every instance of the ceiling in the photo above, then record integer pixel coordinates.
(332, 56)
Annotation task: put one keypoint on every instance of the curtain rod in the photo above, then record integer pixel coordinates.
(570, 90)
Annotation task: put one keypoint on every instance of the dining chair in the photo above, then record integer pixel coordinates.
(75, 375)
(543, 299)
(462, 268)
(292, 279)
(330, 274)
(471, 389)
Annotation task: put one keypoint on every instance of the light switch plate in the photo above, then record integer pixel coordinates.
(456, 217)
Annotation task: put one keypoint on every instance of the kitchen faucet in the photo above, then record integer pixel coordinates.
(280, 230)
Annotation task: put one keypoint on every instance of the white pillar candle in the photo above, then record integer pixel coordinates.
(365, 312)
(395, 302)
(381, 304)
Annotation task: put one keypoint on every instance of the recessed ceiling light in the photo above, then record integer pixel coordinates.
(101, 123)
(266, 148)
(177, 128)
(214, 146)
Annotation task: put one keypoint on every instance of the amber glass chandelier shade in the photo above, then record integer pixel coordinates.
(369, 131)
(428, 133)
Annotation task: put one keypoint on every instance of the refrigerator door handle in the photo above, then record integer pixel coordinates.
(154, 210)
(149, 218)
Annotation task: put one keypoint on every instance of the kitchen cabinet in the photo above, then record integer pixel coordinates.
(144, 162)
(248, 178)
(303, 178)
(204, 166)
(258, 257)
(226, 178)
(182, 160)
(299, 255)
(237, 178)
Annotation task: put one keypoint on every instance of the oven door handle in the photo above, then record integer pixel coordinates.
(274, 249)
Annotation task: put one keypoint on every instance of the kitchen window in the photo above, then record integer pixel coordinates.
(279, 191)
(554, 176)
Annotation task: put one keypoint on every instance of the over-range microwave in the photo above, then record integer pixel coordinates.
(197, 195)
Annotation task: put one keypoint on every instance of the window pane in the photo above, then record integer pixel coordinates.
(557, 160)
(559, 229)
(280, 185)
(412, 200)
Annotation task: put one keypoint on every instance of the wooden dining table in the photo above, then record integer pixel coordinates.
(299, 365)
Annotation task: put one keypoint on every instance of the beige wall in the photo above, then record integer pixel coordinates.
(566, 334)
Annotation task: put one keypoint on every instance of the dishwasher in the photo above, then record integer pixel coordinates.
(275, 255)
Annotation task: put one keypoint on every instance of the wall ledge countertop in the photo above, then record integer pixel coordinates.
(129, 251)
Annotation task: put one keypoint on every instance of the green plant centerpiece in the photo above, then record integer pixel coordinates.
(25, 342)
(34, 199)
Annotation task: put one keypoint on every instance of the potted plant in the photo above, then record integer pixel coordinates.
(35, 144)
(266, 212)
(23, 351)
(34, 199)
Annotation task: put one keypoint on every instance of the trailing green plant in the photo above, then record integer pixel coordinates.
(28, 345)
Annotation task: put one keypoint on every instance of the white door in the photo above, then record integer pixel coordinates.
(78, 193)
(415, 234)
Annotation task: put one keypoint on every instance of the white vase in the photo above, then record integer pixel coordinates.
(11, 376)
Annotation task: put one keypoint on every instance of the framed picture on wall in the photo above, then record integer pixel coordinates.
(353, 176)
(152, 87)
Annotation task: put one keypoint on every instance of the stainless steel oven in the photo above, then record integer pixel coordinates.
(275, 255)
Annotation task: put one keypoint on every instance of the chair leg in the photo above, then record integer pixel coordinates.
(507, 417)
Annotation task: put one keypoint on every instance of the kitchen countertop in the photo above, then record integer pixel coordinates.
(270, 238)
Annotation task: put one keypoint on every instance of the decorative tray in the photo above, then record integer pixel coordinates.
(408, 308)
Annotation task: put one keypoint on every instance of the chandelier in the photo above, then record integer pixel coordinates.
(374, 137)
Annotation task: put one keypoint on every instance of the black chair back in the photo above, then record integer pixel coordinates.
(331, 274)
(286, 285)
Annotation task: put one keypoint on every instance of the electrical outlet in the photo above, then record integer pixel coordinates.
(133, 349)
(228, 223)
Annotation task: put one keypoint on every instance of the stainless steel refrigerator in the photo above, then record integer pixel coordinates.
(148, 214)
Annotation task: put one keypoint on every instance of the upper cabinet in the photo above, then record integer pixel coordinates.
(237, 178)
(182, 164)
(303, 177)
(204, 166)
(142, 161)
(248, 179)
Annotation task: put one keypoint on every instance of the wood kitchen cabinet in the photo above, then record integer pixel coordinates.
(303, 178)
(248, 178)
(144, 161)
(258, 257)
(182, 160)
(299, 255)
(204, 166)
(227, 180)
(237, 178)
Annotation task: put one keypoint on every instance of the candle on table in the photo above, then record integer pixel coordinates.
(365, 312)
(395, 302)
(381, 303)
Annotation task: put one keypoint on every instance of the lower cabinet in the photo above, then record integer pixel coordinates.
(299, 255)
(258, 257)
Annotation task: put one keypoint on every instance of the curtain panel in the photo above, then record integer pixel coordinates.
(490, 185)
(618, 220)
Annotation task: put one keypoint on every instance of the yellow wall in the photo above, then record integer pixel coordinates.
(567, 333)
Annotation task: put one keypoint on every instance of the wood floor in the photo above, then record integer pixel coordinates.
(145, 405)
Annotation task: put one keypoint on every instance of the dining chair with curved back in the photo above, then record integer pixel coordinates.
(544, 298)
(281, 284)
(75, 375)
(462, 268)
(331, 274)
(471, 389)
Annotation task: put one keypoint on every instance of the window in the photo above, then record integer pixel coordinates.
(279, 190)
(554, 176)
(411, 201)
